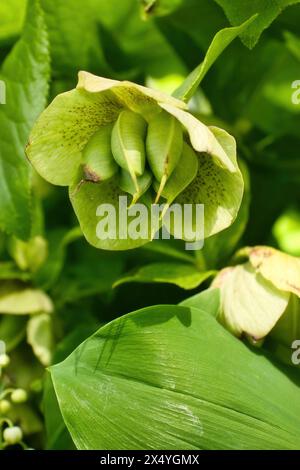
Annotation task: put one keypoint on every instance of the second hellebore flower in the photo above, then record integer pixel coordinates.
(108, 138)
(261, 298)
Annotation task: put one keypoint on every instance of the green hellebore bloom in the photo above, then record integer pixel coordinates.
(64, 129)
(262, 296)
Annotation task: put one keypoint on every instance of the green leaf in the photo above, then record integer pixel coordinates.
(154, 379)
(267, 11)
(57, 434)
(21, 300)
(58, 437)
(207, 301)
(25, 73)
(221, 40)
(40, 336)
(182, 275)
(12, 15)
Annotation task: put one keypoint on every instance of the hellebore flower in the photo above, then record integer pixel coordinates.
(108, 138)
(262, 296)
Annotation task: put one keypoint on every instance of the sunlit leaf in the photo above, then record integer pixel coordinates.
(122, 399)
(183, 275)
(21, 300)
(25, 73)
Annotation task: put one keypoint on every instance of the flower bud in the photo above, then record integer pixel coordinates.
(5, 406)
(19, 396)
(4, 360)
(98, 161)
(164, 146)
(143, 182)
(127, 143)
(12, 435)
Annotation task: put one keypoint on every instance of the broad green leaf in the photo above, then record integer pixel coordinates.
(267, 11)
(25, 73)
(221, 40)
(40, 336)
(57, 435)
(207, 301)
(282, 270)
(18, 299)
(182, 275)
(217, 188)
(286, 231)
(12, 15)
(250, 304)
(159, 369)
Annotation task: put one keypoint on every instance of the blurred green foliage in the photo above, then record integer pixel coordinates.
(248, 91)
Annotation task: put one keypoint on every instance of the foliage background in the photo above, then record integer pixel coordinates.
(248, 92)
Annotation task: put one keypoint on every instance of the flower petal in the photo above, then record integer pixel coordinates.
(137, 97)
(249, 303)
(64, 128)
(203, 138)
(220, 190)
(279, 268)
(88, 197)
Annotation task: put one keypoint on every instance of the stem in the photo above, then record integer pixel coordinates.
(200, 260)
